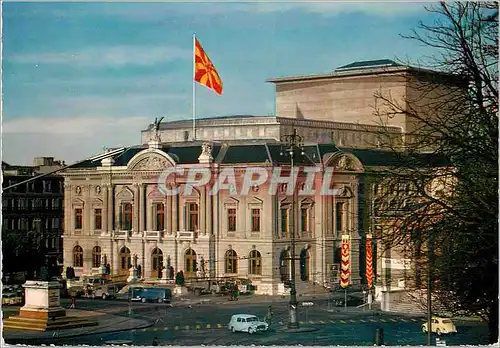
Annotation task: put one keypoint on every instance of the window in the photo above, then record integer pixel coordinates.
(339, 216)
(126, 216)
(125, 260)
(156, 262)
(304, 219)
(192, 217)
(78, 218)
(77, 256)
(284, 222)
(231, 220)
(255, 220)
(160, 217)
(255, 263)
(96, 256)
(231, 262)
(97, 219)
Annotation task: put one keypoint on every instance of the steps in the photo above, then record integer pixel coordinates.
(306, 288)
(40, 324)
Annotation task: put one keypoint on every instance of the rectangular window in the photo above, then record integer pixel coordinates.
(160, 217)
(339, 216)
(126, 216)
(78, 218)
(97, 219)
(192, 217)
(255, 220)
(231, 220)
(284, 222)
(304, 219)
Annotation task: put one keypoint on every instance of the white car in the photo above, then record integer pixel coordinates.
(440, 326)
(246, 323)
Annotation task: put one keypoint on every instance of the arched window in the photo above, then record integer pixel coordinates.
(156, 262)
(255, 263)
(77, 256)
(96, 256)
(190, 262)
(285, 265)
(125, 260)
(231, 262)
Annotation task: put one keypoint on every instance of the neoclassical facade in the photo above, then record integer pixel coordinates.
(116, 210)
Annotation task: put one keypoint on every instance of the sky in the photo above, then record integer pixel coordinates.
(80, 76)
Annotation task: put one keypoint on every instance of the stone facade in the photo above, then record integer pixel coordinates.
(197, 226)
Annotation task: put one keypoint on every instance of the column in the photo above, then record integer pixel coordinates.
(141, 207)
(203, 210)
(136, 207)
(105, 208)
(210, 213)
(165, 214)
(169, 217)
(175, 214)
(116, 258)
(110, 207)
(68, 211)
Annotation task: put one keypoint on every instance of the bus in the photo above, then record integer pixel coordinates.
(150, 294)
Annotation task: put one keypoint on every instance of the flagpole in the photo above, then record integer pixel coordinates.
(194, 87)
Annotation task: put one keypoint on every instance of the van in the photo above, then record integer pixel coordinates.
(150, 294)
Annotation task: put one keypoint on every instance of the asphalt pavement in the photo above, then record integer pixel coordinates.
(203, 320)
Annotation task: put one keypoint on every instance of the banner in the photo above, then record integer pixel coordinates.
(369, 261)
(345, 262)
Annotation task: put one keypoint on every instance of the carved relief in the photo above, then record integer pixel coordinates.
(78, 190)
(346, 163)
(98, 189)
(152, 163)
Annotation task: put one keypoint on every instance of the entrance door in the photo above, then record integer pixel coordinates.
(156, 263)
(304, 264)
(190, 263)
(125, 261)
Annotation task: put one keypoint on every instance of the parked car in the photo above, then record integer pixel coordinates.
(150, 294)
(106, 291)
(351, 301)
(11, 298)
(440, 326)
(247, 323)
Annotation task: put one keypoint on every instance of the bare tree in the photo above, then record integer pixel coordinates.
(440, 201)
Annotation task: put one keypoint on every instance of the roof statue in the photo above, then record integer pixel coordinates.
(156, 128)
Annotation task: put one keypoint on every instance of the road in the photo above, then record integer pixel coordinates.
(195, 323)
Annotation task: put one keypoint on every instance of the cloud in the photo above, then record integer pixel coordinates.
(116, 56)
(69, 139)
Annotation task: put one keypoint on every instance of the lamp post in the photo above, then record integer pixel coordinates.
(292, 143)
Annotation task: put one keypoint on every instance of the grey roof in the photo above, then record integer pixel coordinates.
(202, 121)
(368, 64)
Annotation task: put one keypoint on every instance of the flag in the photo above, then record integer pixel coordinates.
(345, 269)
(204, 71)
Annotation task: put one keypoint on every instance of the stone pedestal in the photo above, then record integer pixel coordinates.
(42, 300)
(132, 278)
(42, 310)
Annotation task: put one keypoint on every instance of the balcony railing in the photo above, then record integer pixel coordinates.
(186, 235)
(153, 235)
(122, 234)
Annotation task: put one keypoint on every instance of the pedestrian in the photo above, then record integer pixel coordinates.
(269, 316)
(73, 299)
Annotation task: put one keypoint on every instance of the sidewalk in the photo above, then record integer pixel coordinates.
(107, 323)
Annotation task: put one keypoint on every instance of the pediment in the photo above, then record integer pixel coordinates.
(255, 200)
(150, 159)
(125, 194)
(345, 162)
(155, 193)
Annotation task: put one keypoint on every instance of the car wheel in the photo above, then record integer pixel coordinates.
(438, 332)
(104, 296)
(143, 300)
(424, 329)
(233, 329)
(250, 330)
(160, 300)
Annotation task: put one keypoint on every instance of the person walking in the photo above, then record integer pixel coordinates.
(73, 299)
(269, 316)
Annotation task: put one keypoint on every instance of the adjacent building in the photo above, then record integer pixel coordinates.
(32, 217)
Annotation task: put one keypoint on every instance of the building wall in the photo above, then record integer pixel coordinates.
(88, 189)
(341, 99)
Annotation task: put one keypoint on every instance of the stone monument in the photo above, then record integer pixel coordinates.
(132, 278)
(42, 310)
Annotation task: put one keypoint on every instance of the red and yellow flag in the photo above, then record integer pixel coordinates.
(204, 71)
(369, 261)
(345, 264)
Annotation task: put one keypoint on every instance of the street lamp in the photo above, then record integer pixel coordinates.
(292, 143)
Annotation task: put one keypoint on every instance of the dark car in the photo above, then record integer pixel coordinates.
(352, 301)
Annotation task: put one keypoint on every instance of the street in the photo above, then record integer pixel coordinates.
(197, 322)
